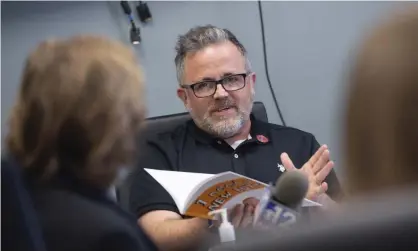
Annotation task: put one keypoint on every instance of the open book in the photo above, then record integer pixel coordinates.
(196, 194)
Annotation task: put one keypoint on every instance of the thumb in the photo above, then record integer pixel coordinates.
(287, 162)
(324, 187)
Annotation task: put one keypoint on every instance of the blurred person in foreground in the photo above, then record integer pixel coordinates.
(73, 132)
(381, 138)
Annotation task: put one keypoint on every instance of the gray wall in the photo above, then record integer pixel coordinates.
(308, 45)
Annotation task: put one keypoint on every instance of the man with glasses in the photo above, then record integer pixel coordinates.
(216, 85)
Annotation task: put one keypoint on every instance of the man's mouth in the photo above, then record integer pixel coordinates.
(224, 109)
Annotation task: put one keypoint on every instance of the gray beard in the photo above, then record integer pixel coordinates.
(224, 128)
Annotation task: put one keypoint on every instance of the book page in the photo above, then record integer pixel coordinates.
(223, 190)
(186, 187)
(178, 184)
(310, 203)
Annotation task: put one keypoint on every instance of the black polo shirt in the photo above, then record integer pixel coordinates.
(188, 148)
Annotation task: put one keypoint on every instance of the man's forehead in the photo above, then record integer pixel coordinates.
(213, 62)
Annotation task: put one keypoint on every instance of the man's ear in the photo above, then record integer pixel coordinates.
(181, 93)
(253, 78)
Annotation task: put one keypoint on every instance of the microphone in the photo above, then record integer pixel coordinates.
(280, 205)
(277, 208)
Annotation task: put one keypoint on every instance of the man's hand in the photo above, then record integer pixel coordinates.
(242, 215)
(316, 170)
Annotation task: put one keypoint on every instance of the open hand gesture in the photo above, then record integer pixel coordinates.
(316, 170)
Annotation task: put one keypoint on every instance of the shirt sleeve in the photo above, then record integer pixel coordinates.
(334, 187)
(146, 194)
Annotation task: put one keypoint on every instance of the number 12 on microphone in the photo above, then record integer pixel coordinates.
(275, 214)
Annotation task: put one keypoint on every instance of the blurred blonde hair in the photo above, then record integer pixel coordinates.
(382, 120)
(79, 108)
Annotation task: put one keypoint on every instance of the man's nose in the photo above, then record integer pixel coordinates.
(220, 92)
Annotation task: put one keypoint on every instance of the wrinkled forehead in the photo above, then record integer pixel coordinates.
(213, 62)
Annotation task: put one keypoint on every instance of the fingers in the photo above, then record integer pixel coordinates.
(317, 155)
(316, 191)
(321, 162)
(250, 205)
(247, 219)
(324, 187)
(323, 173)
(251, 201)
(242, 215)
(316, 162)
(237, 213)
(287, 162)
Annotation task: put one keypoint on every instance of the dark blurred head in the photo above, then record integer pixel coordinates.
(382, 120)
(78, 109)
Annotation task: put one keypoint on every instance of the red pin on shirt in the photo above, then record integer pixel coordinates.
(262, 138)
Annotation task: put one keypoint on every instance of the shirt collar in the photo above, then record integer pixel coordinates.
(259, 132)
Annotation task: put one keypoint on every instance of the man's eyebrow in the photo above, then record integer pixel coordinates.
(227, 74)
(207, 79)
(212, 79)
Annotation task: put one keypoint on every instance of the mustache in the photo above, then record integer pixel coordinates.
(219, 105)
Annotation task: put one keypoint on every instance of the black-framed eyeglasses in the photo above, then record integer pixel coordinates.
(207, 88)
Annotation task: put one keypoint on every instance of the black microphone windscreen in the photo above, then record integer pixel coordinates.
(291, 188)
